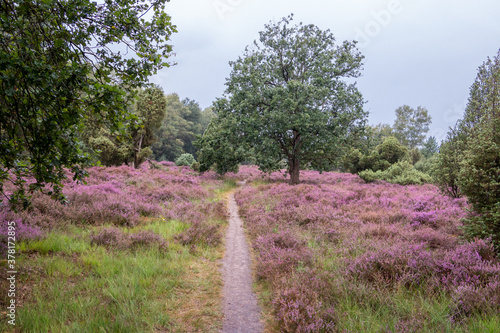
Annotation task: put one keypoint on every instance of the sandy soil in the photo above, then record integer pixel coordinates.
(241, 310)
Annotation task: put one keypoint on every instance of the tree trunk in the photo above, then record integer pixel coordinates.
(137, 154)
(294, 170)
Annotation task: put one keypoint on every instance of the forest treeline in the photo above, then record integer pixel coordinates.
(160, 127)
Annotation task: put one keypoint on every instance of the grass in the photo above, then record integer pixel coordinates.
(78, 287)
(68, 284)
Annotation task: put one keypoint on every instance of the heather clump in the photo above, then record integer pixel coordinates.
(115, 238)
(298, 309)
(279, 254)
(18, 230)
(200, 233)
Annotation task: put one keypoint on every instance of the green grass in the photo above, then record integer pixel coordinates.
(70, 285)
(79, 287)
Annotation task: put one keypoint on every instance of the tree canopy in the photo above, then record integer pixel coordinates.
(287, 102)
(411, 125)
(469, 159)
(64, 61)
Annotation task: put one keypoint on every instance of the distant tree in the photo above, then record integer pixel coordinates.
(180, 128)
(430, 147)
(411, 125)
(133, 144)
(287, 101)
(58, 62)
(380, 132)
(479, 176)
(206, 117)
(150, 110)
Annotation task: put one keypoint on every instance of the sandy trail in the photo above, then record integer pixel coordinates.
(241, 310)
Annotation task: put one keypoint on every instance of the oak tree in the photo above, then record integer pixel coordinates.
(287, 102)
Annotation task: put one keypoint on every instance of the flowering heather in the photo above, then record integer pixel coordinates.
(22, 231)
(123, 195)
(115, 238)
(382, 235)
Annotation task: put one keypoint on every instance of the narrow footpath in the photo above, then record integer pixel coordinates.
(241, 310)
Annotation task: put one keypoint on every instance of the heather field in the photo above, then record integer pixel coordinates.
(131, 251)
(139, 251)
(335, 254)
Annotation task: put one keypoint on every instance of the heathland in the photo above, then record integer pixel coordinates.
(138, 250)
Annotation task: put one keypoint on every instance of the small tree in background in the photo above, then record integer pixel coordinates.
(448, 163)
(411, 125)
(430, 147)
(150, 111)
(185, 160)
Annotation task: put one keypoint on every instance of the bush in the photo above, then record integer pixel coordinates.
(427, 165)
(402, 173)
(200, 233)
(385, 154)
(114, 238)
(185, 160)
(391, 150)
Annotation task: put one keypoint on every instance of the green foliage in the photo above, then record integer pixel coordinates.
(470, 157)
(58, 64)
(402, 173)
(430, 147)
(110, 149)
(185, 160)
(411, 125)
(150, 110)
(183, 123)
(219, 148)
(133, 143)
(479, 180)
(448, 163)
(287, 100)
(391, 150)
(428, 165)
(414, 155)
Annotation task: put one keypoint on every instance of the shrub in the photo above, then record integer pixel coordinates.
(414, 156)
(402, 173)
(185, 160)
(298, 310)
(391, 150)
(447, 165)
(479, 180)
(114, 238)
(200, 233)
(11, 226)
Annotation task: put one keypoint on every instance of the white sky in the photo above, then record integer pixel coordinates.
(417, 52)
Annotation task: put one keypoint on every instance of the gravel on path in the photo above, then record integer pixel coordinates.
(241, 310)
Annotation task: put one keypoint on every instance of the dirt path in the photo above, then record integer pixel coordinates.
(240, 303)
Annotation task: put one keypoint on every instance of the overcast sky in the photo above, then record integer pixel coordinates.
(417, 52)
